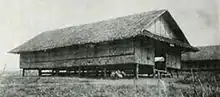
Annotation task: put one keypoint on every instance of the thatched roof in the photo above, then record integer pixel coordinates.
(107, 30)
(204, 53)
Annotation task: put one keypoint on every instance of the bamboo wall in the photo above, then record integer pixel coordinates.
(130, 51)
(117, 52)
(160, 27)
(144, 51)
(173, 59)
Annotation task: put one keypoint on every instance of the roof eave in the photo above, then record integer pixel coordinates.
(187, 47)
(13, 52)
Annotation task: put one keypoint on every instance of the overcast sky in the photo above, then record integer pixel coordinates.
(21, 20)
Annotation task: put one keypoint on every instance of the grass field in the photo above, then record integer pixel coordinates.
(13, 85)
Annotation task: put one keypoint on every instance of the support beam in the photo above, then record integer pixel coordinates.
(137, 71)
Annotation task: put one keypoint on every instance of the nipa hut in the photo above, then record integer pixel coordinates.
(206, 59)
(129, 44)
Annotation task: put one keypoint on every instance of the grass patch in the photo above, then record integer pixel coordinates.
(85, 90)
(13, 85)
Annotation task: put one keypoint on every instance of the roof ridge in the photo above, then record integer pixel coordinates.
(155, 18)
(113, 18)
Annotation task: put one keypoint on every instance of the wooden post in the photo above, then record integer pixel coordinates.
(53, 72)
(154, 72)
(83, 71)
(104, 71)
(68, 72)
(177, 73)
(137, 71)
(97, 71)
(23, 72)
(158, 74)
(57, 72)
(171, 73)
(79, 71)
(74, 70)
(108, 72)
(39, 72)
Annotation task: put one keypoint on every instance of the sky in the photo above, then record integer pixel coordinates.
(20, 20)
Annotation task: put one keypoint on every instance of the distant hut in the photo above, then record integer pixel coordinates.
(206, 59)
(130, 43)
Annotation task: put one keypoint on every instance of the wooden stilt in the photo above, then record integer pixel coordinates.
(137, 71)
(171, 73)
(74, 71)
(83, 71)
(79, 71)
(23, 72)
(154, 72)
(57, 72)
(177, 73)
(104, 71)
(108, 72)
(39, 72)
(53, 72)
(68, 72)
(158, 75)
(97, 72)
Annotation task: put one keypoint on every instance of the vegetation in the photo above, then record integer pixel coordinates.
(81, 90)
(201, 84)
(13, 85)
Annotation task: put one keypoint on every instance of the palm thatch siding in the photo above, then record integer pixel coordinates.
(117, 52)
(128, 43)
(207, 58)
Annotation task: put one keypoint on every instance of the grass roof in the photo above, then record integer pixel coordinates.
(106, 30)
(205, 53)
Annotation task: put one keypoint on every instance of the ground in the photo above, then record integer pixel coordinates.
(13, 85)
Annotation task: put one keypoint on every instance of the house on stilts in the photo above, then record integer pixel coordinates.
(130, 44)
(206, 59)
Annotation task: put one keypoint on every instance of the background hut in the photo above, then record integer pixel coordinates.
(130, 44)
(206, 59)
